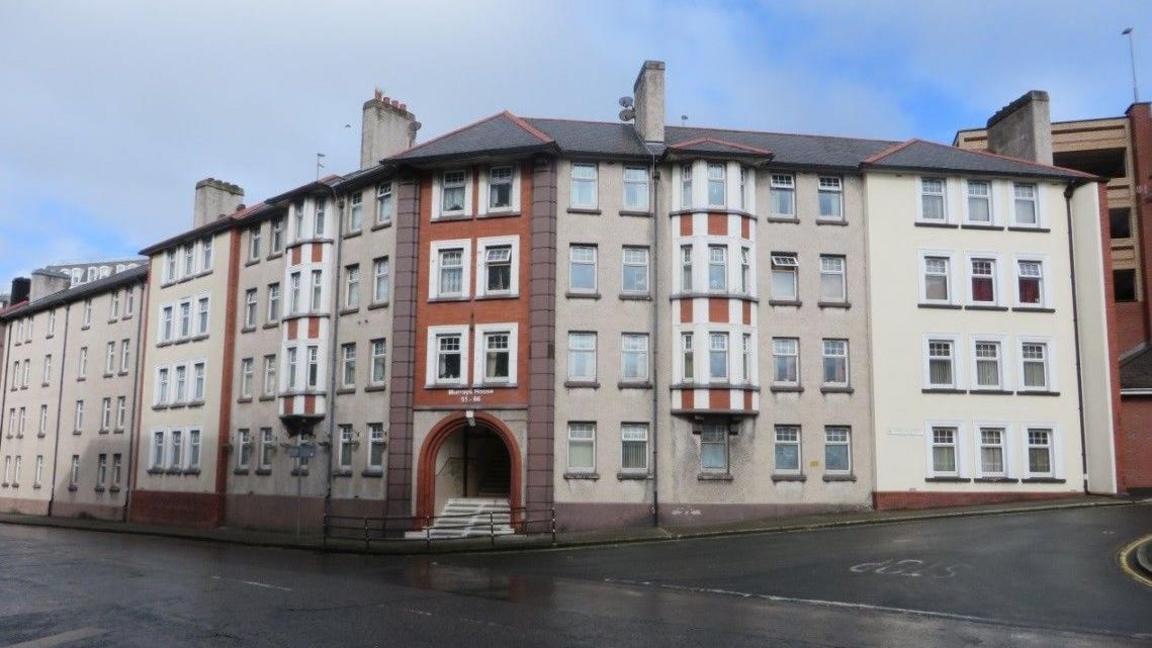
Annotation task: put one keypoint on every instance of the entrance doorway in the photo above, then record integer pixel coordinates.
(468, 458)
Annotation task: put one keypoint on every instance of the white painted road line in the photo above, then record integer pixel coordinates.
(254, 583)
(61, 639)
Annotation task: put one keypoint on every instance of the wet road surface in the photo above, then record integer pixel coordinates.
(1046, 578)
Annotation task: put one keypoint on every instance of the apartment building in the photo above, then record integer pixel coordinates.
(70, 395)
(1118, 149)
(623, 323)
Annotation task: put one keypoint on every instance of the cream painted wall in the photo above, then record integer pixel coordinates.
(899, 326)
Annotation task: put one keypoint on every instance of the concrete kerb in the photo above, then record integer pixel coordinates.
(569, 540)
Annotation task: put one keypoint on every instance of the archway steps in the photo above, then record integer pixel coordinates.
(469, 517)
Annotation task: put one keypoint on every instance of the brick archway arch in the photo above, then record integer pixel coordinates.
(426, 468)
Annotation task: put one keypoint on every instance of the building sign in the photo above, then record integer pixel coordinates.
(471, 395)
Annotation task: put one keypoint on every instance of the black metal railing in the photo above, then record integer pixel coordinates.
(398, 528)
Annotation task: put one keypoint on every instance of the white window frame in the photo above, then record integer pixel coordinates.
(376, 437)
(958, 444)
(1001, 343)
(595, 180)
(830, 185)
(379, 360)
(438, 188)
(480, 359)
(381, 276)
(159, 443)
(431, 367)
(1005, 445)
(788, 263)
(969, 259)
(714, 349)
(251, 305)
(847, 443)
(624, 265)
(634, 428)
(247, 375)
(1054, 450)
(954, 355)
(722, 181)
(1050, 364)
(351, 287)
(355, 212)
(842, 274)
(198, 379)
(713, 433)
(723, 264)
(643, 189)
(437, 247)
(594, 351)
(482, 247)
(254, 243)
(573, 439)
(1036, 204)
(777, 356)
(923, 192)
(645, 357)
(777, 442)
(1045, 299)
(385, 202)
(595, 268)
(513, 182)
(275, 303)
(968, 197)
(782, 183)
(950, 275)
(847, 363)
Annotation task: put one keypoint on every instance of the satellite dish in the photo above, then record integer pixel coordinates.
(627, 114)
(626, 102)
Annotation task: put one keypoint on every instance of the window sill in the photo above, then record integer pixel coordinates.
(1033, 309)
(635, 213)
(35, 486)
(582, 384)
(72, 488)
(714, 294)
(175, 471)
(785, 302)
(582, 295)
(113, 489)
(786, 389)
(716, 476)
(272, 325)
(437, 386)
(977, 307)
(379, 305)
(303, 315)
(941, 306)
(498, 296)
(591, 476)
(942, 390)
(934, 224)
(195, 403)
(990, 392)
(85, 327)
(789, 478)
(80, 379)
(263, 472)
(265, 399)
(1036, 393)
(244, 399)
(448, 218)
(829, 221)
(76, 432)
(342, 391)
(995, 480)
(251, 262)
(272, 256)
(591, 211)
(500, 213)
(977, 226)
(353, 234)
(782, 219)
(98, 489)
(248, 329)
(349, 310)
(845, 305)
(624, 384)
(460, 298)
(240, 471)
(840, 478)
(1042, 480)
(948, 480)
(495, 385)
(298, 472)
(375, 388)
(102, 431)
(192, 472)
(633, 476)
(155, 471)
(374, 473)
(379, 226)
(342, 472)
(837, 390)
(635, 297)
(1024, 228)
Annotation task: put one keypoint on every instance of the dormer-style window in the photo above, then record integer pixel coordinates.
(500, 188)
(452, 192)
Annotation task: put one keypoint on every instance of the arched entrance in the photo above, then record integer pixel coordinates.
(463, 457)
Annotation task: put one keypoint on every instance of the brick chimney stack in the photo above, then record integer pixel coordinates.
(648, 94)
(1023, 129)
(215, 198)
(388, 129)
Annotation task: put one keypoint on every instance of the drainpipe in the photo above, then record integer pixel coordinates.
(333, 346)
(59, 410)
(1076, 332)
(133, 433)
(654, 177)
(6, 376)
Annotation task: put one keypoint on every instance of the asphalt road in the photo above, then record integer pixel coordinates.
(1037, 579)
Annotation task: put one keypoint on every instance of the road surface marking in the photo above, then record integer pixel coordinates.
(62, 638)
(254, 583)
(908, 567)
(1124, 556)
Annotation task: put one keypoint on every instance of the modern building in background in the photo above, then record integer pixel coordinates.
(1118, 149)
(626, 323)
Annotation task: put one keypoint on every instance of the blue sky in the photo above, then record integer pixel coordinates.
(112, 111)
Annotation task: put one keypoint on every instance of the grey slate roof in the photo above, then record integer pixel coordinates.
(500, 132)
(78, 291)
(594, 138)
(789, 149)
(918, 154)
(1136, 371)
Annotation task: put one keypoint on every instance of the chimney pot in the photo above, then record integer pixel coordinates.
(385, 132)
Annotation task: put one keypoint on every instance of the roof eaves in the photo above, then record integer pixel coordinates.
(74, 293)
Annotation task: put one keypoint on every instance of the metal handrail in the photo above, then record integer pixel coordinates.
(379, 528)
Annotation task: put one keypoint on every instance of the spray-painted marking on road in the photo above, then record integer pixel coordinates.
(61, 639)
(253, 583)
(910, 567)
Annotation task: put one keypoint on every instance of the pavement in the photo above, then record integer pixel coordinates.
(1041, 577)
(316, 541)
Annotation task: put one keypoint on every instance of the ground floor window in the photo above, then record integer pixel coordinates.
(787, 449)
(634, 447)
(837, 449)
(944, 441)
(582, 447)
(992, 452)
(1040, 452)
(714, 448)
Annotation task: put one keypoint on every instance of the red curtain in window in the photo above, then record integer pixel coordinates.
(982, 289)
(1029, 291)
